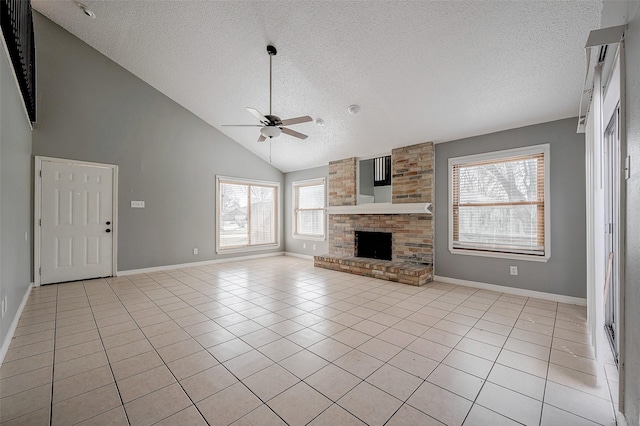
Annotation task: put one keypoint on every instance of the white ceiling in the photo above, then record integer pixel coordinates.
(420, 70)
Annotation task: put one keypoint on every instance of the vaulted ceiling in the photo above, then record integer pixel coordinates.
(419, 70)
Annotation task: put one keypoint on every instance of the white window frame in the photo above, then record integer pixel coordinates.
(294, 199)
(495, 155)
(243, 181)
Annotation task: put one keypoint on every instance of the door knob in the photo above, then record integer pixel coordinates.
(108, 223)
(108, 230)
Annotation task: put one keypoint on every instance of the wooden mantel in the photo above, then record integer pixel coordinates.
(382, 208)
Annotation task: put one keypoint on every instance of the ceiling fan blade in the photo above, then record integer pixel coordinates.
(293, 133)
(258, 115)
(297, 120)
(262, 138)
(241, 125)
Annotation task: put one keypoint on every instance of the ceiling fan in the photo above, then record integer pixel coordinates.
(271, 125)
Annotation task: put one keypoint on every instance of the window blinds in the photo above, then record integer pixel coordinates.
(309, 210)
(498, 205)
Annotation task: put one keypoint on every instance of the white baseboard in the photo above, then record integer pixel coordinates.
(515, 291)
(192, 264)
(7, 340)
(301, 256)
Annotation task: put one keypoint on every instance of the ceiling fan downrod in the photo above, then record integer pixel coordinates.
(271, 50)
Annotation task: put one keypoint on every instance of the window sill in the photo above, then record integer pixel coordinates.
(246, 249)
(513, 256)
(307, 237)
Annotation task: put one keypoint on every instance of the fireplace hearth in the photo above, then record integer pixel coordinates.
(373, 245)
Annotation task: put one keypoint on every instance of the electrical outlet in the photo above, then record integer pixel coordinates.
(513, 270)
(304, 245)
(195, 250)
(314, 246)
(137, 204)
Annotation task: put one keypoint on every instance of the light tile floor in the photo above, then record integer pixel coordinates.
(274, 341)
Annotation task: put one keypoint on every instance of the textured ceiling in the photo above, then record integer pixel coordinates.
(420, 70)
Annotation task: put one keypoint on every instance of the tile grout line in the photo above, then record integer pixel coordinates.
(105, 351)
(203, 348)
(312, 293)
(474, 402)
(163, 362)
(388, 327)
(53, 361)
(304, 348)
(577, 390)
(546, 378)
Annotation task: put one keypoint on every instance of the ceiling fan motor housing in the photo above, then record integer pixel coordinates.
(274, 120)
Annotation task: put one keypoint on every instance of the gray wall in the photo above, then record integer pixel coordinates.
(365, 170)
(15, 200)
(565, 272)
(295, 245)
(92, 109)
(382, 194)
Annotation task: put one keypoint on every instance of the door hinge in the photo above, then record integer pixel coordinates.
(40, 173)
(627, 167)
(39, 271)
(40, 222)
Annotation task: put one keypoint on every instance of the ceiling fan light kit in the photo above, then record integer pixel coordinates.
(270, 131)
(271, 126)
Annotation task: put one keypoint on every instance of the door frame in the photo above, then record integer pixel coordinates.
(613, 184)
(608, 93)
(37, 210)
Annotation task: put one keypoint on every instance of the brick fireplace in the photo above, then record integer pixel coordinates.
(411, 227)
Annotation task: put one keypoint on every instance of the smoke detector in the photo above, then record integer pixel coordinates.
(353, 109)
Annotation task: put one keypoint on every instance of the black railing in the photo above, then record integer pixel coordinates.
(16, 20)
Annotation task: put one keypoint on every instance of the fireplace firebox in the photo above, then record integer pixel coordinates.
(373, 245)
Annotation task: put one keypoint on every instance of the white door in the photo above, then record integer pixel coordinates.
(76, 238)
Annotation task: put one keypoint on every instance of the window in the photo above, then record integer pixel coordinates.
(247, 214)
(498, 204)
(309, 222)
(382, 171)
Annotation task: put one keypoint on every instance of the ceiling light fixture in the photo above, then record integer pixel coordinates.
(88, 12)
(353, 109)
(320, 122)
(270, 131)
